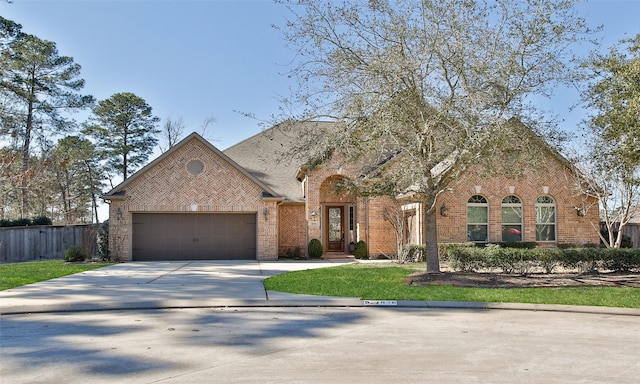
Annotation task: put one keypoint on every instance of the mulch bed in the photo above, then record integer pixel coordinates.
(537, 280)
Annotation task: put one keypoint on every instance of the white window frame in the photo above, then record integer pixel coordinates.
(486, 224)
(547, 204)
(512, 205)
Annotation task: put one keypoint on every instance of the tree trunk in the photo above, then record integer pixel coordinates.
(430, 237)
(24, 206)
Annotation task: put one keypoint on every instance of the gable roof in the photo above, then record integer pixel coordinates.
(268, 156)
(118, 192)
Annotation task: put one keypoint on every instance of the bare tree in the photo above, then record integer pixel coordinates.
(206, 124)
(420, 89)
(612, 160)
(395, 216)
(171, 133)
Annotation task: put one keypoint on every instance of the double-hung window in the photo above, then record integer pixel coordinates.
(511, 218)
(545, 219)
(477, 219)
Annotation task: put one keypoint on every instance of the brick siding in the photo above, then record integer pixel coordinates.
(168, 187)
(293, 228)
(554, 181)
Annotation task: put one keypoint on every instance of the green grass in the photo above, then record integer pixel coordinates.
(384, 282)
(17, 274)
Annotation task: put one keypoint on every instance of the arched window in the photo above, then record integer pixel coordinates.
(477, 219)
(545, 219)
(511, 218)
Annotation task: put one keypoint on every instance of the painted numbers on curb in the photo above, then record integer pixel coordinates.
(388, 303)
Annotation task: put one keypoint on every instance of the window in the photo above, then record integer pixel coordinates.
(477, 219)
(511, 218)
(545, 219)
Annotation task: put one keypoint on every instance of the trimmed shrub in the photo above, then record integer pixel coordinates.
(467, 259)
(293, 253)
(315, 249)
(361, 250)
(515, 244)
(517, 260)
(75, 253)
(414, 253)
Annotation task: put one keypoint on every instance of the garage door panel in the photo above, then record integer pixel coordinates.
(183, 236)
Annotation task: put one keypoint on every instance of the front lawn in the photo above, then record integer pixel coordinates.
(385, 282)
(17, 274)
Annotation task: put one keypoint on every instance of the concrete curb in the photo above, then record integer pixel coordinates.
(319, 302)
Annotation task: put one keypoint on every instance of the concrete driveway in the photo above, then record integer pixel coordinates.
(153, 323)
(170, 284)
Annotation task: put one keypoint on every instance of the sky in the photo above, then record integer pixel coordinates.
(202, 59)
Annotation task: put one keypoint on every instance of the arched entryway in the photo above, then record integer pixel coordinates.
(337, 201)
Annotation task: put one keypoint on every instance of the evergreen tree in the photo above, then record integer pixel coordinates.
(125, 132)
(37, 83)
(77, 174)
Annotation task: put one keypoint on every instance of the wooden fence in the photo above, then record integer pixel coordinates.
(630, 229)
(633, 231)
(45, 242)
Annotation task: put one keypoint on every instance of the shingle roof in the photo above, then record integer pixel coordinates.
(269, 157)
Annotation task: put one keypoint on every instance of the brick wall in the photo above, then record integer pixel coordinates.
(554, 180)
(293, 228)
(168, 187)
(382, 235)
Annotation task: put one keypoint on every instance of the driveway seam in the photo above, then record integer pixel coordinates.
(168, 273)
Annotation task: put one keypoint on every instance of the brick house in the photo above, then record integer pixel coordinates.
(250, 202)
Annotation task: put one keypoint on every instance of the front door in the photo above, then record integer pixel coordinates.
(335, 231)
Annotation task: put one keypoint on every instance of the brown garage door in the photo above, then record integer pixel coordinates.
(193, 236)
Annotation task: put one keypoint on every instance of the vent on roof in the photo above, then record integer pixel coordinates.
(195, 167)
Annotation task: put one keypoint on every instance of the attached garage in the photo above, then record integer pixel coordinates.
(194, 236)
(193, 203)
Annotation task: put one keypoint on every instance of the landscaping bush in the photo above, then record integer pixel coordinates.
(102, 238)
(315, 249)
(75, 253)
(466, 259)
(41, 220)
(514, 244)
(414, 253)
(293, 253)
(445, 249)
(361, 250)
(522, 260)
(15, 223)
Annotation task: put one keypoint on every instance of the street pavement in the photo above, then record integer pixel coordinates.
(213, 322)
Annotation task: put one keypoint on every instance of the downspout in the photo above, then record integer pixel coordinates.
(278, 227)
(366, 207)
